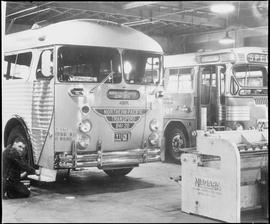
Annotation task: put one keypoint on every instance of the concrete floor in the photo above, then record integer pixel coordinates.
(146, 194)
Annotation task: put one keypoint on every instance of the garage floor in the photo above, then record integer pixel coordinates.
(146, 194)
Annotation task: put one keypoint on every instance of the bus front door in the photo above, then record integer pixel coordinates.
(209, 94)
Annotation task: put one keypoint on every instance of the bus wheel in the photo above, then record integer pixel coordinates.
(118, 172)
(176, 141)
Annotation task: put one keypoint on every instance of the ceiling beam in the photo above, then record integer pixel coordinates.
(18, 12)
(172, 16)
(21, 16)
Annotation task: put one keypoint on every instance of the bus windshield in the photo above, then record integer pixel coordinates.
(254, 76)
(141, 67)
(88, 64)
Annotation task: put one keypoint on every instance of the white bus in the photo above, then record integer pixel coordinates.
(79, 93)
(223, 89)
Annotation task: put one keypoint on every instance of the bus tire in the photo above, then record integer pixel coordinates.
(176, 140)
(118, 172)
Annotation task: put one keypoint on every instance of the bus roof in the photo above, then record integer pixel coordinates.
(244, 50)
(85, 32)
(189, 59)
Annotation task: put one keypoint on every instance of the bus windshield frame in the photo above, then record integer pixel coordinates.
(88, 64)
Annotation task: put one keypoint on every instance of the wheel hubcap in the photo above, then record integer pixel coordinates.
(178, 142)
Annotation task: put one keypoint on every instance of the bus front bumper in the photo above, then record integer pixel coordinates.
(105, 159)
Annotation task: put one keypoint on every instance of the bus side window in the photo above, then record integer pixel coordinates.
(45, 66)
(186, 79)
(18, 66)
(6, 68)
(173, 81)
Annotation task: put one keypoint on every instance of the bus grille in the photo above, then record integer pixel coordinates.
(42, 110)
(222, 113)
(237, 113)
(261, 100)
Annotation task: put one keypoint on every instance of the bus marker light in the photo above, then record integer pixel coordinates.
(83, 141)
(85, 126)
(85, 109)
(153, 139)
(153, 125)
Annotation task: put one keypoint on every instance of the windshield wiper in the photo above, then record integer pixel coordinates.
(102, 82)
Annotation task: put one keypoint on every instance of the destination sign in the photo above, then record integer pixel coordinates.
(118, 94)
(121, 118)
(258, 58)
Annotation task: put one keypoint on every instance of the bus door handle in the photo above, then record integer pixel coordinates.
(76, 92)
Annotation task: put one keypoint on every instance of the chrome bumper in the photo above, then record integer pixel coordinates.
(101, 159)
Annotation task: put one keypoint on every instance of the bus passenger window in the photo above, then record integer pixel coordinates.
(180, 80)
(18, 66)
(6, 69)
(172, 86)
(186, 77)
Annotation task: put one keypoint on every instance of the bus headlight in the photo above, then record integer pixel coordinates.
(236, 126)
(239, 127)
(153, 125)
(153, 139)
(85, 126)
(83, 141)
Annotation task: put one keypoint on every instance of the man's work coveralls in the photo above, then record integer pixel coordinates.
(13, 166)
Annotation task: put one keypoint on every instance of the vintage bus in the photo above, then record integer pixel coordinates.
(222, 90)
(79, 93)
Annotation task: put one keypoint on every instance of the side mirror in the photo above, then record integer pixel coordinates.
(46, 64)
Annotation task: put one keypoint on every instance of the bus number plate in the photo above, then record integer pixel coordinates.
(121, 137)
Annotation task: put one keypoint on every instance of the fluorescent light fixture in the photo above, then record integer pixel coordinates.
(133, 5)
(222, 8)
(226, 39)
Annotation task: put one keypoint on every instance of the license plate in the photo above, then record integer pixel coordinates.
(121, 137)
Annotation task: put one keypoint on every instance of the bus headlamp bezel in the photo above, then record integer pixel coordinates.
(85, 126)
(154, 125)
